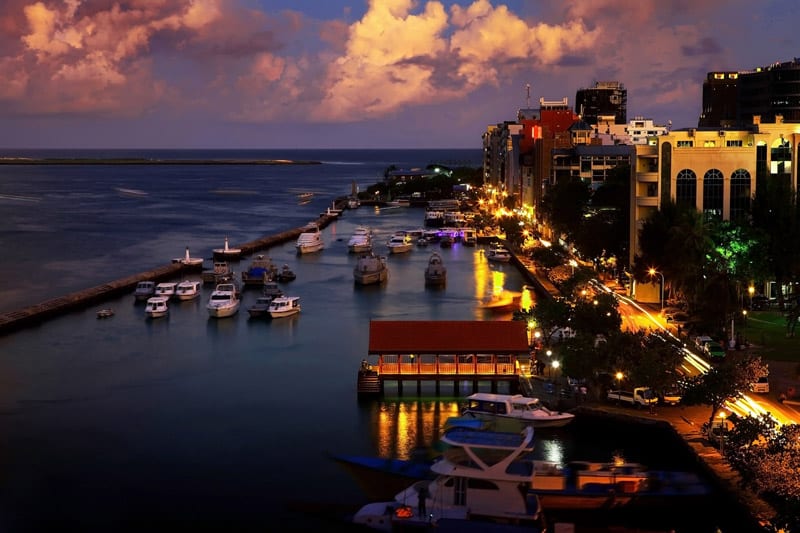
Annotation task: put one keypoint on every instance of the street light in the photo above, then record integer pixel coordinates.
(619, 377)
(751, 291)
(653, 272)
(555, 368)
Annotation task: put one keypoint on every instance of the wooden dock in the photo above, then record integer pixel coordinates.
(36, 314)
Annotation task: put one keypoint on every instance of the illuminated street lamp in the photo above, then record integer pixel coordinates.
(751, 291)
(722, 433)
(555, 368)
(619, 376)
(653, 272)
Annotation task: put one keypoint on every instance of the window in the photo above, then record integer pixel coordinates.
(685, 144)
(712, 194)
(733, 143)
(709, 143)
(740, 194)
(686, 188)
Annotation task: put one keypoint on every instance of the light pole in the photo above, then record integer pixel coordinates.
(653, 272)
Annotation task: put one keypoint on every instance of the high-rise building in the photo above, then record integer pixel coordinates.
(606, 98)
(768, 92)
(720, 100)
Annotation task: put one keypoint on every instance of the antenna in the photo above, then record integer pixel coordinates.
(528, 97)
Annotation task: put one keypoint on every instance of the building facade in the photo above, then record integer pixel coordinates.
(604, 99)
(714, 171)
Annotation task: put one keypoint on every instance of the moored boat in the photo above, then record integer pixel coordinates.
(219, 273)
(498, 253)
(144, 290)
(105, 313)
(370, 269)
(166, 289)
(513, 412)
(285, 274)
(284, 306)
(157, 307)
(188, 289)
(435, 271)
(399, 243)
(261, 268)
(224, 301)
(310, 240)
(260, 308)
(360, 241)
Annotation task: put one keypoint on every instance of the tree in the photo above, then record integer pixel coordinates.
(724, 382)
(551, 314)
(565, 204)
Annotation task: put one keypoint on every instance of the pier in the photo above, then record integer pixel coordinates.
(443, 351)
(36, 314)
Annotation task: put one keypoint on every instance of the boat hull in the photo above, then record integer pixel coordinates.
(223, 311)
(284, 314)
(514, 425)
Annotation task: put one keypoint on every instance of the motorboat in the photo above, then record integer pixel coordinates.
(399, 243)
(144, 290)
(271, 289)
(501, 301)
(261, 268)
(332, 211)
(383, 477)
(370, 269)
(498, 254)
(481, 478)
(469, 237)
(513, 412)
(106, 312)
(188, 289)
(227, 253)
(157, 307)
(224, 301)
(284, 306)
(219, 273)
(310, 240)
(285, 274)
(260, 308)
(166, 289)
(446, 241)
(435, 271)
(360, 241)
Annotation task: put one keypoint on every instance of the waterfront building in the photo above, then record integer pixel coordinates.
(713, 170)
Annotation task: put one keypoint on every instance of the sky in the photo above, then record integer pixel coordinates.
(356, 74)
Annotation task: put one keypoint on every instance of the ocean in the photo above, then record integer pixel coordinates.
(225, 424)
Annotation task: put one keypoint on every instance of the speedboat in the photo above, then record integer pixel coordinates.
(480, 479)
(310, 240)
(370, 269)
(435, 272)
(400, 243)
(283, 306)
(188, 289)
(513, 412)
(227, 253)
(166, 289)
(144, 290)
(224, 301)
(360, 241)
(499, 254)
(260, 308)
(156, 307)
(285, 274)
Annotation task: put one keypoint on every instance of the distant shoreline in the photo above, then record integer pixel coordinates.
(145, 161)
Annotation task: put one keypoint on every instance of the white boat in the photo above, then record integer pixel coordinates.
(482, 478)
(157, 307)
(360, 241)
(310, 240)
(188, 289)
(283, 306)
(435, 272)
(332, 211)
(144, 290)
(399, 243)
(224, 301)
(227, 253)
(498, 253)
(370, 269)
(513, 412)
(166, 289)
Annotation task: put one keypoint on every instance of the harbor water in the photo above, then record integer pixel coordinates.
(129, 423)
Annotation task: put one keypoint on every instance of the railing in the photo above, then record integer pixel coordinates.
(422, 367)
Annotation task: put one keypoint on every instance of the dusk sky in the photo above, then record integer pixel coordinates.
(355, 74)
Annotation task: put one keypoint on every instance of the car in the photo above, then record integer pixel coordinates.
(761, 386)
(671, 396)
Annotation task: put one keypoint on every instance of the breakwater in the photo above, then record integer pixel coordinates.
(36, 314)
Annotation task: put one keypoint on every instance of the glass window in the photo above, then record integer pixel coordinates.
(685, 144)
(686, 188)
(712, 194)
(740, 194)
